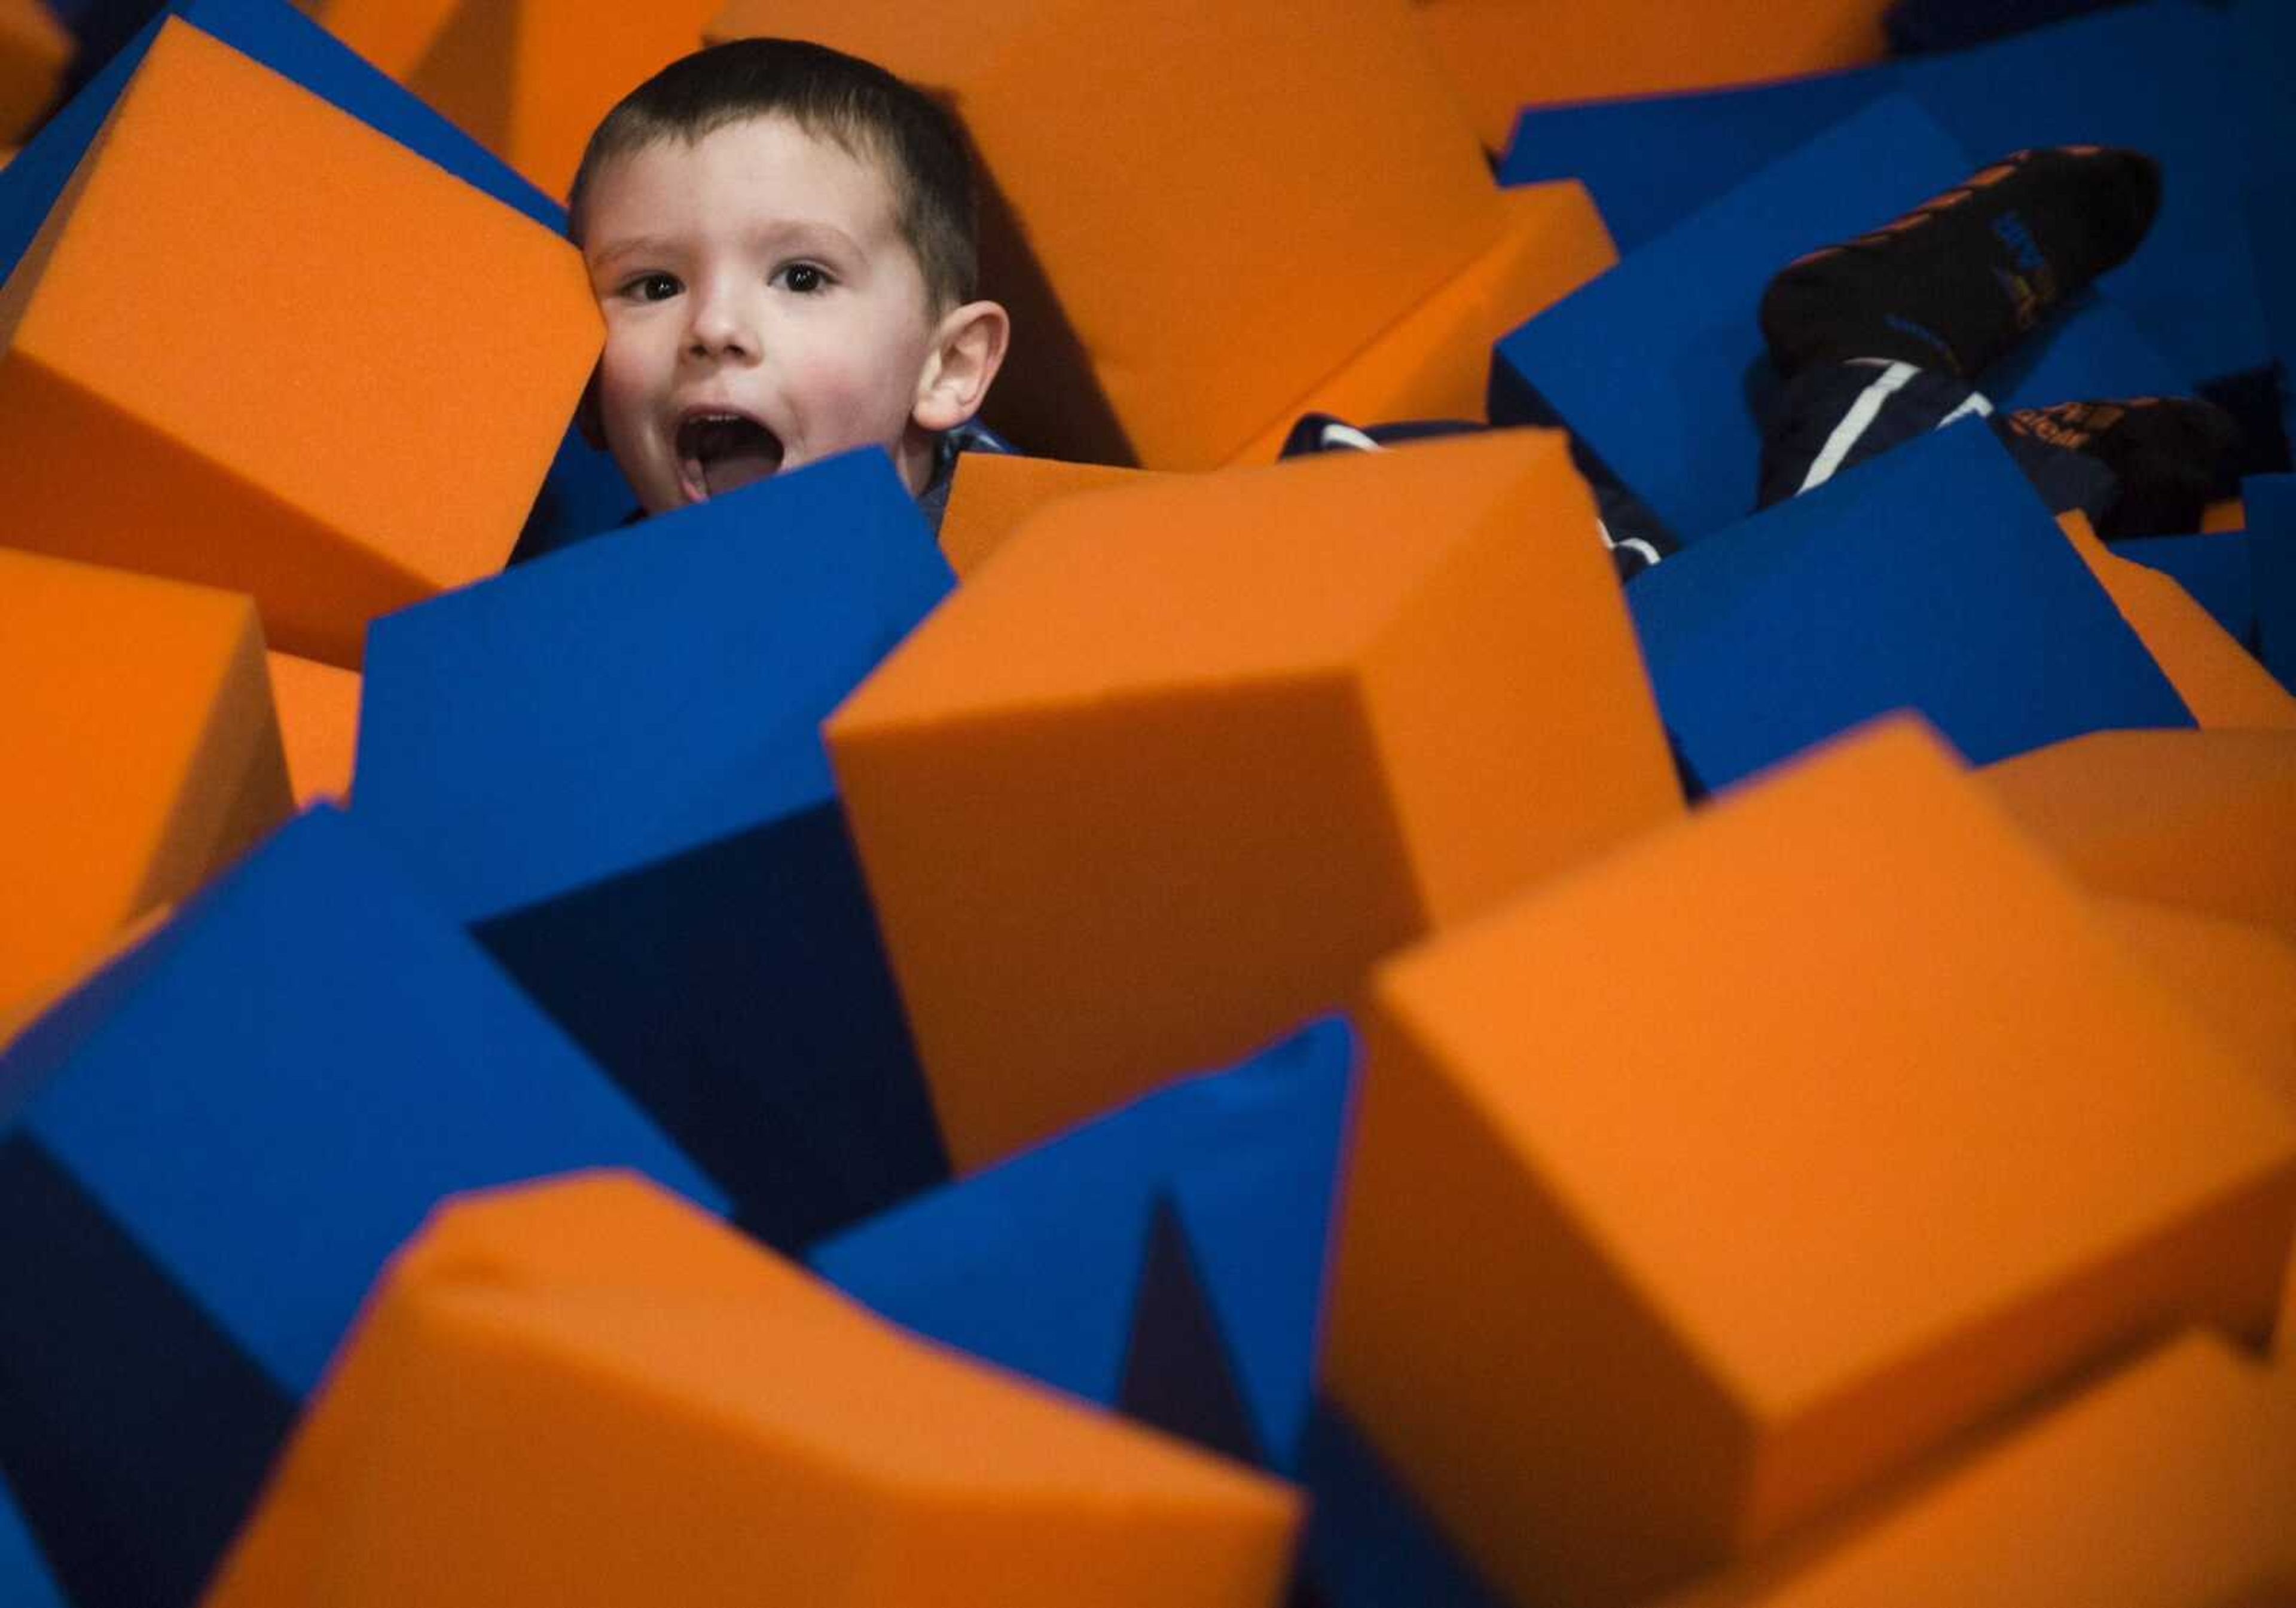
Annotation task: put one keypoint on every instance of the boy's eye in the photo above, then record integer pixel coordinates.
(653, 287)
(804, 279)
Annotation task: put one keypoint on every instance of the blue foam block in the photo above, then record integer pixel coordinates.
(1178, 1374)
(1929, 578)
(2272, 228)
(1650, 161)
(209, 1153)
(609, 763)
(24, 1579)
(2154, 77)
(100, 30)
(2213, 569)
(2160, 77)
(1038, 1264)
(1370, 1543)
(1655, 365)
(584, 495)
(1917, 26)
(2271, 502)
(2264, 34)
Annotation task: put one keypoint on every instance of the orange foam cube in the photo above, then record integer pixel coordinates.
(2171, 1485)
(1695, 1192)
(1313, 186)
(2285, 1340)
(2204, 820)
(587, 1393)
(1168, 774)
(35, 49)
(299, 408)
(137, 733)
(393, 35)
(2230, 514)
(1503, 54)
(530, 78)
(2221, 682)
(20, 1012)
(318, 722)
(2238, 979)
(1435, 362)
(992, 495)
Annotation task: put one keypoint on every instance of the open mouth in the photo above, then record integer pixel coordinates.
(719, 453)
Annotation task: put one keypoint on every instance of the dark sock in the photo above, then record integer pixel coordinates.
(1954, 283)
(2171, 456)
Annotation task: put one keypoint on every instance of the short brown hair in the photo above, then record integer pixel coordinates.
(855, 104)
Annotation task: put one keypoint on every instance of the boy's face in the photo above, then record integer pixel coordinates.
(763, 310)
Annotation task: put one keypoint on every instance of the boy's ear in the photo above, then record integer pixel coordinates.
(588, 418)
(968, 350)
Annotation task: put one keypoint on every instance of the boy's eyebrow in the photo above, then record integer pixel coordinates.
(802, 230)
(636, 245)
(807, 230)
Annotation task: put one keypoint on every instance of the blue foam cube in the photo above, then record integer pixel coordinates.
(1915, 26)
(608, 764)
(584, 495)
(1930, 578)
(1650, 161)
(24, 1579)
(2271, 502)
(2166, 79)
(208, 1153)
(1178, 1372)
(1075, 1262)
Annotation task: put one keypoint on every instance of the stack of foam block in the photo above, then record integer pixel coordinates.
(1283, 1038)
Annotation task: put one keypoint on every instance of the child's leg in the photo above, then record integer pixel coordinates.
(1955, 283)
(2169, 456)
(1833, 416)
(1881, 338)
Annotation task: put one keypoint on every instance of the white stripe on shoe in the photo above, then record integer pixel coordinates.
(1855, 422)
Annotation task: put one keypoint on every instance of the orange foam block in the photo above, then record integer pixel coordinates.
(318, 722)
(20, 1011)
(141, 754)
(586, 1394)
(530, 80)
(393, 35)
(1313, 186)
(2221, 682)
(2171, 1485)
(2203, 820)
(1696, 1192)
(296, 408)
(1168, 774)
(2238, 979)
(1435, 362)
(1503, 54)
(35, 49)
(2230, 514)
(992, 495)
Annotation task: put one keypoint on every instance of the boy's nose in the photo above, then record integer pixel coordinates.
(720, 329)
